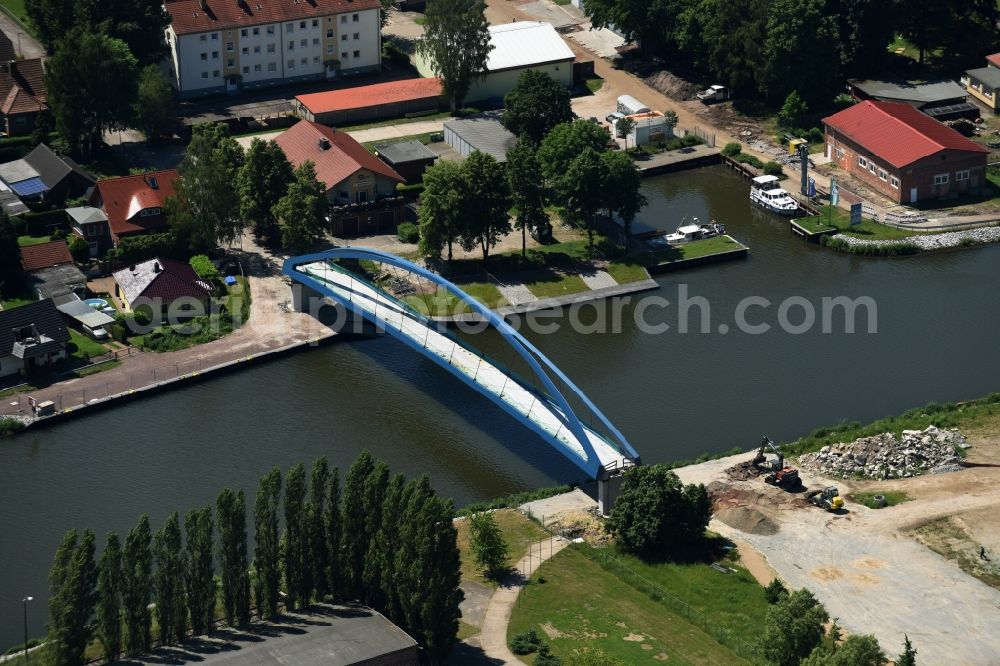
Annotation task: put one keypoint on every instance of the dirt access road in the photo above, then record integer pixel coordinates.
(866, 566)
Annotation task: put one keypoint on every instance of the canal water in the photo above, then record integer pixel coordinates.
(674, 395)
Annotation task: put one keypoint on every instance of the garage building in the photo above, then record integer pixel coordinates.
(393, 99)
(483, 134)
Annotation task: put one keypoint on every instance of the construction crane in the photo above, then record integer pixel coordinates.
(775, 471)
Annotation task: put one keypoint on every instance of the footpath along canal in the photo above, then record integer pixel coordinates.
(673, 395)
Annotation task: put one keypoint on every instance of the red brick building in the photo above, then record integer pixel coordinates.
(902, 153)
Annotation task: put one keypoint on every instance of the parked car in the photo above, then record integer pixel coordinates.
(97, 333)
(613, 118)
(714, 93)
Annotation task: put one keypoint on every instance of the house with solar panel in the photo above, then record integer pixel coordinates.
(45, 176)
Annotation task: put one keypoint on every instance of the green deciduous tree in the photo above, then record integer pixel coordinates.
(527, 190)
(456, 42)
(154, 104)
(866, 28)
(332, 532)
(854, 651)
(206, 209)
(439, 215)
(138, 23)
(11, 273)
(261, 182)
(354, 526)
(91, 87)
(794, 111)
(801, 51)
(485, 203)
(168, 581)
(200, 575)
(622, 188)
(109, 598)
(318, 557)
(535, 105)
(296, 541)
(72, 581)
(488, 545)
(566, 142)
(656, 513)
(301, 210)
(375, 488)
(231, 515)
(137, 587)
(395, 499)
(266, 539)
(581, 190)
(793, 628)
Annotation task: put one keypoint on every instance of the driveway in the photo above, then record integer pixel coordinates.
(24, 43)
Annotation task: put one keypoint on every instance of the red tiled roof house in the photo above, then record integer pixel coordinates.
(22, 95)
(134, 204)
(360, 187)
(169, 288)
(902, 153)
(229, 45)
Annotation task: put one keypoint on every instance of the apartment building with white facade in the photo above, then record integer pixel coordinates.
(231, 45)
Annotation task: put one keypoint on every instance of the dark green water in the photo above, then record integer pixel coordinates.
(673, 395)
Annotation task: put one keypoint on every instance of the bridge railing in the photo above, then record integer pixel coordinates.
(424, 319)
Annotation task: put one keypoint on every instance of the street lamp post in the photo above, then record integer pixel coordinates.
(24, 603)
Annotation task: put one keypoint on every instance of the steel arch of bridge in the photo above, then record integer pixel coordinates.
(540, 365)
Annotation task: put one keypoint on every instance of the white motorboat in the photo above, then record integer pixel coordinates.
(695, 231)
(764, 192)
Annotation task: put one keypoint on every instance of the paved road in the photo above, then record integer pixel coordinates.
(24, 43)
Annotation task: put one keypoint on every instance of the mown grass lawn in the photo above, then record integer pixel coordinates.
(16, 7)
(17, 300)
(581, 605)
(518, 531)
(692, 250)
(25, 241)
(442, 303)
(627, 271)
(867, 230)
(84, 348)
(557, 284)
(814, 223)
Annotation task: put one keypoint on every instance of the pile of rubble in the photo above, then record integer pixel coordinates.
(887, 457)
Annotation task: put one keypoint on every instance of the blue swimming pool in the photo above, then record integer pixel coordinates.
(97, 303)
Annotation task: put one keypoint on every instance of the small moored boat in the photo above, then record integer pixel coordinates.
(764, 192)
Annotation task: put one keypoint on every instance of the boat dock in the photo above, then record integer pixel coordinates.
(678, 160)
(729, 250)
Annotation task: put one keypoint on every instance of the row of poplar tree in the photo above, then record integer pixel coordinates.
(385, 542)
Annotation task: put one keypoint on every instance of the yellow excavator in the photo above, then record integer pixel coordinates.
(775, 471)
(828, 498)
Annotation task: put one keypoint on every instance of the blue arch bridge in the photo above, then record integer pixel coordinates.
(601, 452)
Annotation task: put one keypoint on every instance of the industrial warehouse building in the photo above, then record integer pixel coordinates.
(902, 153)
(517, 47)
(483, 134)
(393, 99)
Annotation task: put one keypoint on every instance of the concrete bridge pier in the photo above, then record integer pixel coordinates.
(609, 487)
(306, 299)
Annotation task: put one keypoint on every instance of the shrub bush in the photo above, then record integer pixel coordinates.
(732, 149)
(525, 642)
(408, 233)
(10, 426)
(772, 168)
(140, 248)
(39, 224)
(750, 159)
(80, 249)
(816, 135)
(204, 267)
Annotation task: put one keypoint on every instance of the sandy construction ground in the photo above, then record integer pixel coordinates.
(867, 566)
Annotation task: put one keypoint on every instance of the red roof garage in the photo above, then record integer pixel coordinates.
(393, 99)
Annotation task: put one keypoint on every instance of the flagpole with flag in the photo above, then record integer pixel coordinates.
(834, 197)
